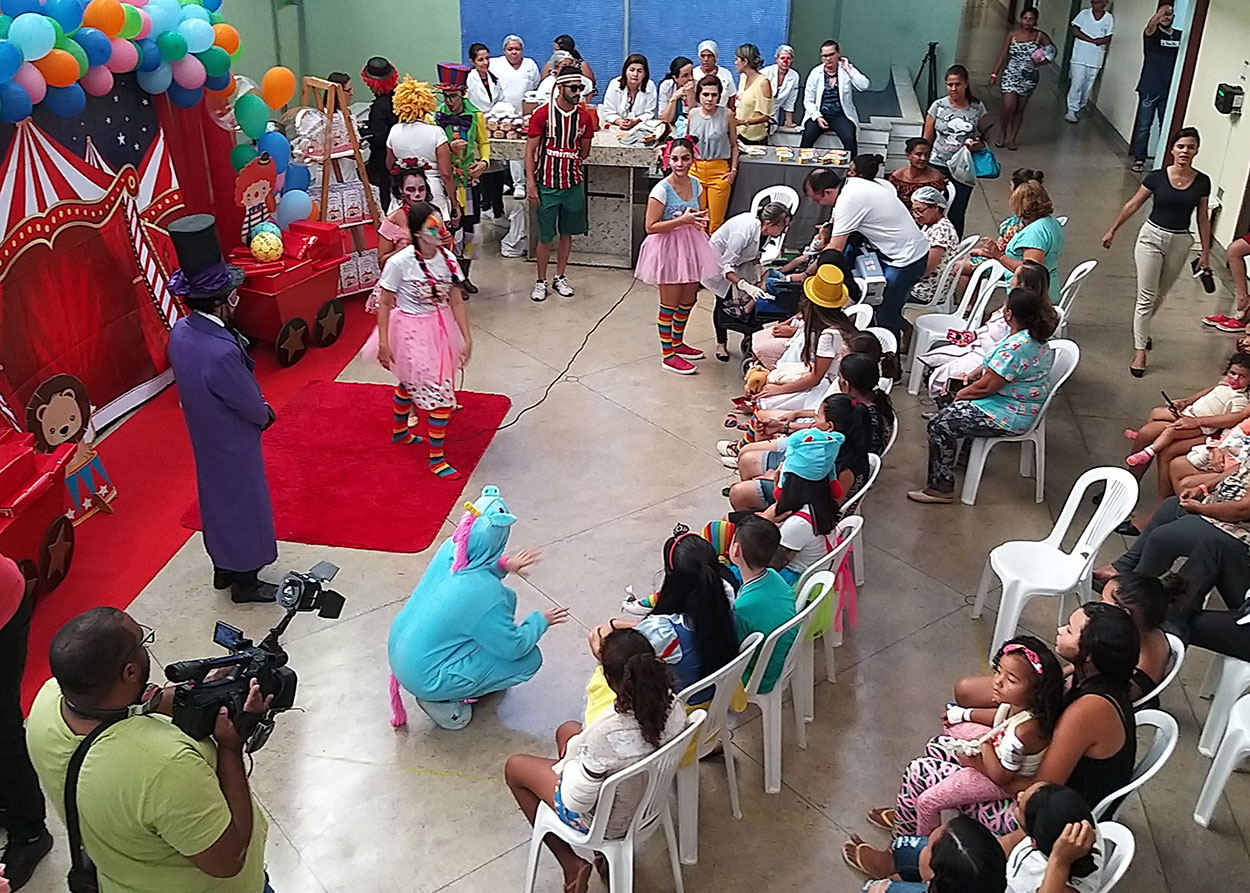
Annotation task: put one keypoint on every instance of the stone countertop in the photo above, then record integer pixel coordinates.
(605, 150)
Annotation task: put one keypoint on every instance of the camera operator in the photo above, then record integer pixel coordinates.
(159, 811)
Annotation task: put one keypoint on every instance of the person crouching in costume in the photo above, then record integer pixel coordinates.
(457, 638)
(423, 333)
(224, 411)
(469, 141)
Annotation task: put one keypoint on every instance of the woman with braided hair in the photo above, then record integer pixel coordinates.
(414, 141)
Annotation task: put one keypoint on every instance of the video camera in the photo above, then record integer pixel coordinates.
(198, 699)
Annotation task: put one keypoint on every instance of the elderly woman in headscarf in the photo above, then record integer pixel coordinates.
(928, 209)
(709, 52)
(785, 81)
(416, 142)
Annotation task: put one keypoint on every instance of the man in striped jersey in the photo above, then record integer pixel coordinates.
(558, 144)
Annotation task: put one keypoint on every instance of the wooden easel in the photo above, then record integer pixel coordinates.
(328, 96)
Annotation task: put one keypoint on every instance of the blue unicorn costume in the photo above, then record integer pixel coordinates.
(457, 637)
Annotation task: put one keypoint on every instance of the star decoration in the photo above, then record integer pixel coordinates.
(293, 344)
(144, 101)
(108, 119)
(137, 147)
(121, 139)
(71, 514)
(127, 119)
(331, 321)
(86, 504)
(59, 552)
(116, 99)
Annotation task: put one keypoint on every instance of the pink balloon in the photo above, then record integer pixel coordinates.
(30, 80)
(137, 3)
(189, 72)
(98, 81)
(125, 56)
(145, 30)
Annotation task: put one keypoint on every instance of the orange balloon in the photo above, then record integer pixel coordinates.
(58, 68)
(277, 87)
(316, 212)
(105, 15)
(227, 37)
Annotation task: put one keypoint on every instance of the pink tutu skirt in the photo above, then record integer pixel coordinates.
(426, 348)
(680, 255)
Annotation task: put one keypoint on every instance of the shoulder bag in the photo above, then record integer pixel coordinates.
(82, 874)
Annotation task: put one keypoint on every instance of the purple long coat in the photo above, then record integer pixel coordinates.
(225, 415)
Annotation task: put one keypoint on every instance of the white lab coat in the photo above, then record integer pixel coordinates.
(786, 93)
(849, 80)
(515, 82)
(737, 242)
(616, 103)
(482, 96)
(549, 82)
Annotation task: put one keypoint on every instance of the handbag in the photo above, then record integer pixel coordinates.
(985, 165)
(82, 874)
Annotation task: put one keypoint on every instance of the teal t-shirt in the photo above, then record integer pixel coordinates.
(1045, 235)
(1025, 366)
(762, 605)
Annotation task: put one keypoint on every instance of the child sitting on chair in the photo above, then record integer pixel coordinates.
(765, 600)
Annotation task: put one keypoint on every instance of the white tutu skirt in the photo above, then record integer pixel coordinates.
(426, 349)
(677, 256)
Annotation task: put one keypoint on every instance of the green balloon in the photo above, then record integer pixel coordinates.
(215, 60)
(216, 18)
(60, 32)
(79, 55)
(173, 46)
(133, 25)
(190, 2)
(237, 54)
(252, 114)
(241, 156)
(5, 22)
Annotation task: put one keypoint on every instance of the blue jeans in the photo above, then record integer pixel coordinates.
(898, 285)
(1149, 109)
(840, 124)
(906, 852)
(268, 889)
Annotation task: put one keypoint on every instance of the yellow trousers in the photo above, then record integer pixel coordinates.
(715, 198)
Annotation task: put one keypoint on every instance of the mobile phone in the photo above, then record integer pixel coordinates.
(1172, 406)
(227, 636)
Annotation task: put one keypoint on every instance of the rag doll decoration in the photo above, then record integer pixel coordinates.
(256, 192)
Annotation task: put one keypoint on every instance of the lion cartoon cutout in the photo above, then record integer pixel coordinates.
(60, 412)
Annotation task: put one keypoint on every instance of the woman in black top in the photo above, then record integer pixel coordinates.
(1163, 242)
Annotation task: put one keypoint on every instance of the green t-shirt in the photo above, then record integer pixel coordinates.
(148, 797)
(1046, 235)
(762, 605)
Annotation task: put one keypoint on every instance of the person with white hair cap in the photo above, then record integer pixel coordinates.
(928, 209)
(518, 75)
(559, 59)
(785, 81)
(708, 54)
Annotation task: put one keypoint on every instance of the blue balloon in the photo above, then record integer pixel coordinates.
(298, 178)
(67, 102)
(221, 82)
(278, 147)
(149, 54)
(212, 5)
(156, 81)
(198, 35)
(68, 14)
(10, 60)
(293, 206)
(34, 34)
(15, 103)
(165, 16)
(191, 11)
(95, 44)
(15, 8)
(184, 98)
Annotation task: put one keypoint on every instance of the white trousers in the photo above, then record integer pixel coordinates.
(1160, 256)
(1082, 77)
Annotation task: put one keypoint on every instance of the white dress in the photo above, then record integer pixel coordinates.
(828, 346)
(421, 141)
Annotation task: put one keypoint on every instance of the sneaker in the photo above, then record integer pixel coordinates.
(679, 365)
(690, 353)
(562, 287)
(450, 715)
(1214, 320)
(539, 293)
(1231, 326)
(729, 462)
(631, 604)
(1070, 117)
(727, 448)
(22, 857)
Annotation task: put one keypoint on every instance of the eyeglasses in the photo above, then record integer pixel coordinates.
(827, 55)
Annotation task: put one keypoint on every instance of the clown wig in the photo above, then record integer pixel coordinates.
(413, 100)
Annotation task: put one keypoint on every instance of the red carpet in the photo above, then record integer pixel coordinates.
(149, 460)
(336, 479)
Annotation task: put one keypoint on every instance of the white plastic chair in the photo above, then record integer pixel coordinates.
(770, 704)
(950, 193)
(860, 314)
(893, 437)
(1123, 847)
(889, 344)
(713, 733)
(1175, 662)
(658, 771)
(1231, 680)
(1148, 766)
(1067, 295)
(771, 249)
(1234, 748)
(1062, 219)
(1066, 356)
(948, 276)
(930, 329)
(1031, 568)
(856, 554)
(848, 529)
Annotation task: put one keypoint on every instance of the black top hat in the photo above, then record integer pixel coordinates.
(203, 273)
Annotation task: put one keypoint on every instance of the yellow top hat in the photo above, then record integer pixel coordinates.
(826, 288)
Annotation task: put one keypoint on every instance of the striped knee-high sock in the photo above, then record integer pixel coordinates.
(665, 325)
(681, 315)
(401, 404)
(438, 431)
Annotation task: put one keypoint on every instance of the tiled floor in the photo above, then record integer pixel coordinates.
(598, 474)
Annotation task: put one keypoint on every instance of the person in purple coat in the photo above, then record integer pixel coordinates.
(225, 413)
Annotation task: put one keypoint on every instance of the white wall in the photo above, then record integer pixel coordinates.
(1117, 90)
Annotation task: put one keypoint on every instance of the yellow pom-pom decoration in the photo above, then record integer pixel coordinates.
(266, 247)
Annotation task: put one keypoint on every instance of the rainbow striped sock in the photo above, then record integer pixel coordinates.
(681, 315)
(401, 405)
(665, 325)
(438, 419)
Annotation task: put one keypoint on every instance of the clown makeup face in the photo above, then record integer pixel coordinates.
(256, 194)
(431, 235)
(414, 190)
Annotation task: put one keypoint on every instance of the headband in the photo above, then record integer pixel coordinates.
(573, 77)
(680, 532)
(669, 146)
(1029, 654)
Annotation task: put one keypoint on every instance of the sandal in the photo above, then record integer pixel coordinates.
(731, 421)
(1138, 167)
(884, 818)
(850, 854)
(722, 355)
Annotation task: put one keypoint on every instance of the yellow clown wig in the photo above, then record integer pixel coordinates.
(413, 100)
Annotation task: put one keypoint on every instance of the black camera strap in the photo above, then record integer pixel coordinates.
(82, 874)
